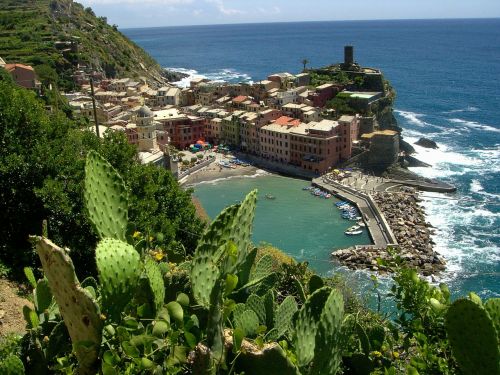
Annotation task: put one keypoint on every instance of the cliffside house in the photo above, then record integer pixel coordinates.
(24, 75)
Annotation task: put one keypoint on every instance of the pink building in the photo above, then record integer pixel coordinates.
(23, 75)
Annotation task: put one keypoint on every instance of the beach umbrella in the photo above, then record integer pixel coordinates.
(200, 142)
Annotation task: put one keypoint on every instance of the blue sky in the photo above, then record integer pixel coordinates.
(148, 13)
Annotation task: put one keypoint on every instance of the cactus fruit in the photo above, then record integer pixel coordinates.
(11, 365)
(156, 283)
(284, 315)
(119, 267)
(79, 311)
(473, 338)
(106, 198)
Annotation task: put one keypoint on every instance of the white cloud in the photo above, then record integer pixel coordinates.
(219, 4)
(162, 2)
(273, 10)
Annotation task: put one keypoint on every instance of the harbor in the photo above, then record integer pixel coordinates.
(393, 219)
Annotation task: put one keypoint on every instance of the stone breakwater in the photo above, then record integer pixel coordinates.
(406, 219)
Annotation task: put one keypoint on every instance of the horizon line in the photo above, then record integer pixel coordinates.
(315, 21)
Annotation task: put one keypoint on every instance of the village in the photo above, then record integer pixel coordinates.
(283, 120)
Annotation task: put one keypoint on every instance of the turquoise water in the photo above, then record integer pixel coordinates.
(304, 226)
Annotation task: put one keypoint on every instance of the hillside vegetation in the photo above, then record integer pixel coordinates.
(29, 31)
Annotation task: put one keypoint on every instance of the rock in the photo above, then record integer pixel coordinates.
(427, 143)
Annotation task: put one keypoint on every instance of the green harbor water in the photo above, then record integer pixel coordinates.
(302, 225)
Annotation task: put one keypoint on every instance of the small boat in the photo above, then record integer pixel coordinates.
(353, 233)
(307, 188)
(269, 196)
(361, 223)
(353, 228)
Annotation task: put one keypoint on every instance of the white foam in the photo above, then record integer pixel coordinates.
(258, 173)
(467, 109)
(474, 125)
(412, 117)
(222, 75)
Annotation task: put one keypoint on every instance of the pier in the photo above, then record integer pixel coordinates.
(376, 224)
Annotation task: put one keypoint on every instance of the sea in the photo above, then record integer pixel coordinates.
(446, 74)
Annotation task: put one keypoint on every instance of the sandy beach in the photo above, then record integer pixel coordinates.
(215, 172)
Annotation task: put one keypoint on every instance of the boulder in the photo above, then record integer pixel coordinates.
(427, 143)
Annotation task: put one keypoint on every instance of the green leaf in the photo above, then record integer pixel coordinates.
(238, 336)
(130, 350)
(190, 339)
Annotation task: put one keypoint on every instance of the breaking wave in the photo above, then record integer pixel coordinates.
(474, 124)
(221, 75)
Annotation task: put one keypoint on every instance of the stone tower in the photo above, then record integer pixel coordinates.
(146, 129)
(348, 55)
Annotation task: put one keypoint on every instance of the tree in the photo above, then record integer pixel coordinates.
(304, 63)
(42, 160)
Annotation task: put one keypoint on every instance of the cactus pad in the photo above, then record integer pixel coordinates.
(156, 283)
(307, 323)
(492, 306)
(284, 315)
(327, 353)
(43, 295)
(248, 321)
(119, 269)
(79, 311)
(106, 198)
(473, 338)
(11, 365)
(256, 304)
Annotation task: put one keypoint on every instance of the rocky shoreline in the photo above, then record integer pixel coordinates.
(406, 219)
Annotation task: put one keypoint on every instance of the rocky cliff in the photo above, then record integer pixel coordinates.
(56, 36)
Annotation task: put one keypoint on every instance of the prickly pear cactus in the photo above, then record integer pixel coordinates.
(11, 365)
(492, 306)
(327, 353)
(106, 198)
(248, 321)
(43, 295)
(256, 304)
(79, 311)
(284, 315)
(205, 271)
(242, 232)
(306, 325)
(119, 267)
(473, 338)
(156, 283)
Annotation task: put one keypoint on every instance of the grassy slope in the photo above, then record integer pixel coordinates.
(29, 28)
